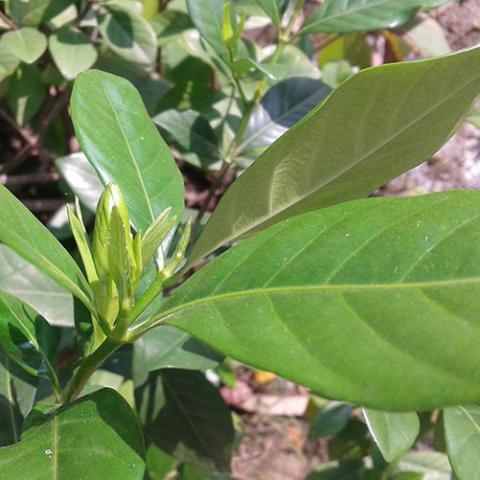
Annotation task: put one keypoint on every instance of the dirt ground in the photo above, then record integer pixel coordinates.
(276, 447)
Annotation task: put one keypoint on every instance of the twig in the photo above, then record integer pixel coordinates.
(8, 21)
(32, 178)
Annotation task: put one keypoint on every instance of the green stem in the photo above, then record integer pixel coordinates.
(86, 369)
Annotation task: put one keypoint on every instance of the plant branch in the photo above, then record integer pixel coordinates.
(88, 366)
(8, 21)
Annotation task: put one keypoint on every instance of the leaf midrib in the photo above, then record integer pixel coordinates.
(315, 288)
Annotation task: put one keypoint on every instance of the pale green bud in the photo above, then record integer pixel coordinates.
(114, 254)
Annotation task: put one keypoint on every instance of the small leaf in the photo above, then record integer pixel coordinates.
(24, 281)
(24, 234)
(207, 17)
(185, 415)
(72, 51)
(26, 337)
(387, 120)
(124, 146)
(168, 347)
(462, 431)
(394, 433)
(332, 299)
(95, 437)
(128, 34)
(330, 419)
(27, 44)
(433, 465)
(26, 93)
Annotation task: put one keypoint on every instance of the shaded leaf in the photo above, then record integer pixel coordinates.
(72, 51)
(433, 465)
(272, 9)
(462, 431)
(168, 347)
(95, 437)
(394, 433)
(26, 337)
(185, 415)
(27, 12)
(338, 294)
(192, 133)
(26, 93)
(386, 121)
(330, 419)
(27, 44)
(128, 34)
(124, 146)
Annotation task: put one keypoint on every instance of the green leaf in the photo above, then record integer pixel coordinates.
(207, 18)
(474, 117)
(337, 296)
(168, 347)
(124, 146)
(462, 431)
(283, 106)
(187, 418)
(82, 178)
(394, 433)
(27, 44)
(128, 34)
(193, 133)
(378, 124)
(26, 93)
(24, 234)
(8, 62)
(27, 12)
(359, 15)
(271, 8)
(433, 465)
(26, 337)
(24, 281)
(95, 437)
(72, 51)
(17, 395)
(330, 419)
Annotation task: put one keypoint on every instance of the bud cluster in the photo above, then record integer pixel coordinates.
(115, 260)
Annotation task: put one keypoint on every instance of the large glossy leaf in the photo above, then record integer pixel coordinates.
(462, 430)
(207, 18)
(394, 433)
(284, 105)
(124, 146)
(168, 347)
(72, 51)
(24, 234)
(27, 44)
(378, 124)
(17, 395)
(128, 34)
(26, 337)
(359, 301)
(359, 15)
(81, 178)
(24, 281)
(95, 437)
(185, 415)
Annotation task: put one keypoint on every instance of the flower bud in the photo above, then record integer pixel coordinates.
(115, 254)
